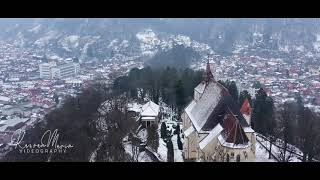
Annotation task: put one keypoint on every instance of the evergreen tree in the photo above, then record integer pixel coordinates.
(180, 98)
(244, 95)
(269, 115)
(153, 137)
(232, 88)
(262, 115)
(90, 51)
(174, 87)
(76, 60)
(177, 130)
(56, 98)
(257, 85)
(179, 142)
(163, 130)
(170, 152)
(178, 56)
(300, 110)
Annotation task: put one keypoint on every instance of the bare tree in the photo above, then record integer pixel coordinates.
(271, 131)
(135, 150)
(285, 132)
(153, 137)
(311, 135)
(114, 124)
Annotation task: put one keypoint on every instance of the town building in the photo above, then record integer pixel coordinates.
(214, 127)
(58, 71)
(149, 114)
(45, 70)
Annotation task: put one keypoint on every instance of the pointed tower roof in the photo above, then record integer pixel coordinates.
(208, 74)
(233, 131)
(246, 108)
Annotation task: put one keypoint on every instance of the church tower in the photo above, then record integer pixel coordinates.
(208, 74)
(207, 78)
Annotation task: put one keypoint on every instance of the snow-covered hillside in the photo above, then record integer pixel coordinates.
(150, 34)
(151, 42)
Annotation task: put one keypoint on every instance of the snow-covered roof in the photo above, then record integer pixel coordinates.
(134, 107)
(3, 98)
(232, 145)
(200, 111)
(200, 87)
(150, 109)
(247, 117)
(213, 133)
(248, 129)
(188, 131)
(12, 122)
(73, 81)
(147, 118)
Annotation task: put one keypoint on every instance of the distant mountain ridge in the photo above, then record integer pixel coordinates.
(73, 37)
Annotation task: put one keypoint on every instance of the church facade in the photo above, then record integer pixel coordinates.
(215, 127)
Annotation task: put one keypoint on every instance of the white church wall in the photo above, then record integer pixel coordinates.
(209, 150)
(192, 148)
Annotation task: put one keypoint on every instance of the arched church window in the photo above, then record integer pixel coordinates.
(238, 158)
(232, 155)
(245, 155)
(228, 158)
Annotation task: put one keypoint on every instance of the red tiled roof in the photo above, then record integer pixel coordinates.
(233, 131)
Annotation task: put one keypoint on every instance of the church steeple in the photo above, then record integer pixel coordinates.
(208, 73)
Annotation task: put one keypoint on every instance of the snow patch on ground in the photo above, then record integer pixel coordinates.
(316, 46)
(144, 157)
(162, 150)
(136, 107)
(143, 135)
(70, 42)
(112, 43)
(177, 153)
(276, 151)
(94, 154)
(45, 39)
(148, 41)
(300, 48)
(128, 148)
(73, 39)
(35, 29)
(284, 48)
(262, 154)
